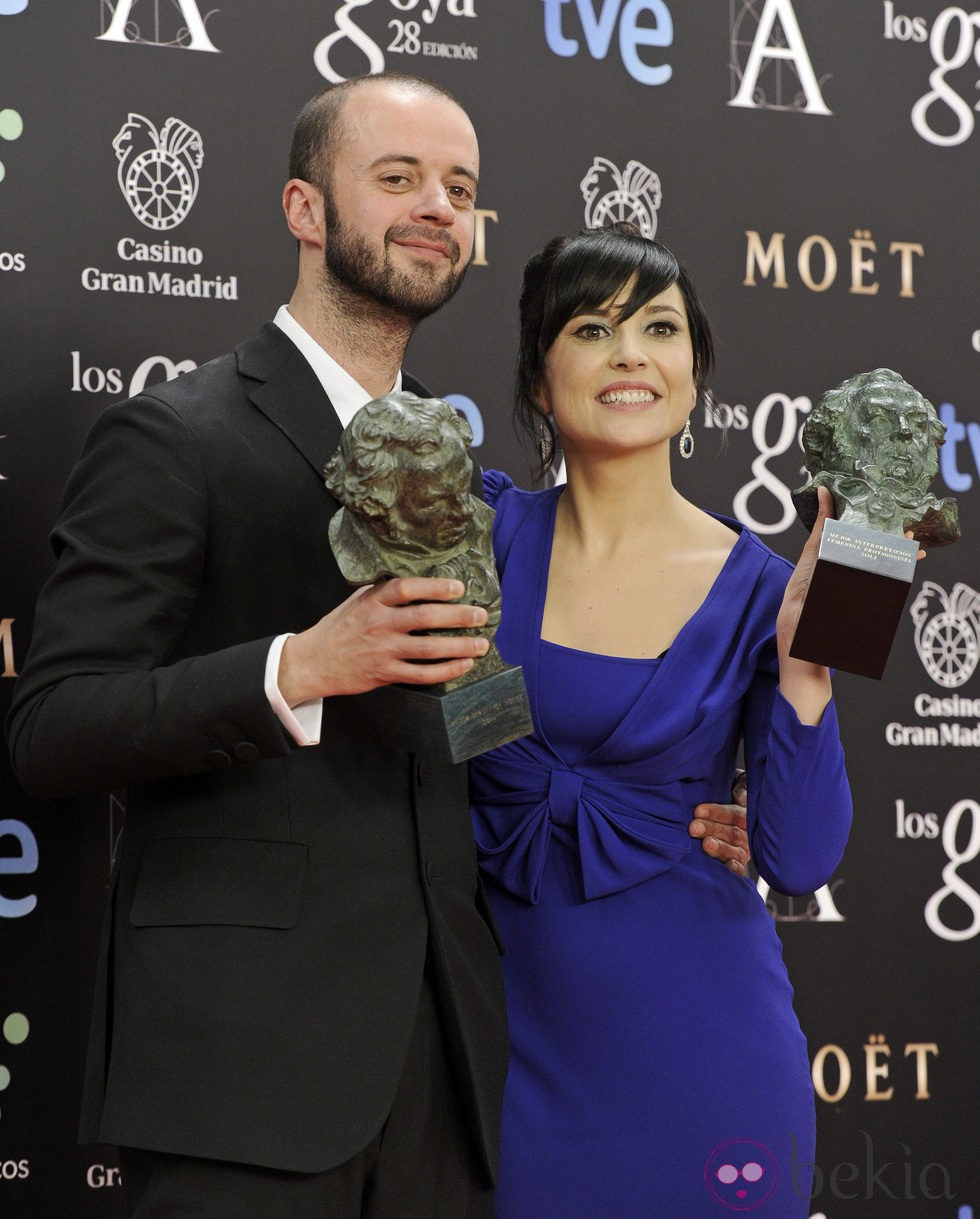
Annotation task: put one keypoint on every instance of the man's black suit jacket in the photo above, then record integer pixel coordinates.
(272, 906)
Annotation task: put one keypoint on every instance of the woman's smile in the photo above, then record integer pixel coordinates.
(628, 396)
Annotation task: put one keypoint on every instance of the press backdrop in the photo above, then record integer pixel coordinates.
(815, 162)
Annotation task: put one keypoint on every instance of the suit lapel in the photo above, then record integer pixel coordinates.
(289, 394)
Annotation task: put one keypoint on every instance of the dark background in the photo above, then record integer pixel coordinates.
(885, 960)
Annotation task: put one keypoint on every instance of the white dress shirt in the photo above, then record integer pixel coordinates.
(303, 722)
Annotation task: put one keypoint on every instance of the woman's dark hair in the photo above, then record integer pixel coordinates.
(575, 274)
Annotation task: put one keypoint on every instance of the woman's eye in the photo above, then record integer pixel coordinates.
(590, 330)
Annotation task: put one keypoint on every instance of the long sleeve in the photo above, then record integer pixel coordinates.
(109, 694)
(800, 808)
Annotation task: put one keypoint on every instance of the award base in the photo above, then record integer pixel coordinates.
(449, 725)
(855, 600)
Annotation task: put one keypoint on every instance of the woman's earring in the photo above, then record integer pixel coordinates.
(687, 442)
(545, 450)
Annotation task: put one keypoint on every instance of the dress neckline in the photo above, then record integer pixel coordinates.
(662, 668)
(626, 660)
(731, 559)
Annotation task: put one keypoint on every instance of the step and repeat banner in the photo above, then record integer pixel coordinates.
(814, 162)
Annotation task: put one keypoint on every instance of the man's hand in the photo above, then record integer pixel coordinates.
(377, 637)
(721, 828)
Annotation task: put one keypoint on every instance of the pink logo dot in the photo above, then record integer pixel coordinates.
(741, 1174)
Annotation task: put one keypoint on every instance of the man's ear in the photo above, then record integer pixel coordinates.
(302, 204)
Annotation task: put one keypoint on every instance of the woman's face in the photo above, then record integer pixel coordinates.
(615, 385)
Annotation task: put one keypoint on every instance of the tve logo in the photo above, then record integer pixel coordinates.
(23, 862)
(656, 30)
(957, 431)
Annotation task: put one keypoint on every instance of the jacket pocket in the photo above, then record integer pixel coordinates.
(245, 882)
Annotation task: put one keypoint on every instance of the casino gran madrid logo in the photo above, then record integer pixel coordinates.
(770, 64)
(156, 23)
(947, 627)
(613, 194)
(405, 28)
(157, 173)
(157, 170)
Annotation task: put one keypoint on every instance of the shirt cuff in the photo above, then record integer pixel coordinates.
(303, 721)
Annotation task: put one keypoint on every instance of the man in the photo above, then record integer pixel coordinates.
(299, 1008)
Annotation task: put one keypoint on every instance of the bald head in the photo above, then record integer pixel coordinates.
(324, 122)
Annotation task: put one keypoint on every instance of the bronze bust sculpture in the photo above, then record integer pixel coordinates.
(874, 441)
(402, 473)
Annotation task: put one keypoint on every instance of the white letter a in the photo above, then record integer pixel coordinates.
(794, 50)
(195, 26)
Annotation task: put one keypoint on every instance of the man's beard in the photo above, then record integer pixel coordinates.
(373, 280)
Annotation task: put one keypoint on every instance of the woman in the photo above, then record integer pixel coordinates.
(657, 1066)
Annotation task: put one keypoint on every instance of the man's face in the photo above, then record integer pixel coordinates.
(434, 505)
(400, 207)
(894, 429)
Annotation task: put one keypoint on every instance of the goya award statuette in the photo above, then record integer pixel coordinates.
(874, 442)
(402, 474)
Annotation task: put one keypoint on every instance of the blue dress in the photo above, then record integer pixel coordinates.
(657, 1066)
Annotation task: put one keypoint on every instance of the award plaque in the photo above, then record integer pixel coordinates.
(874, 442)
(403, 474)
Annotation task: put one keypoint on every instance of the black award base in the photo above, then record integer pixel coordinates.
(855, 600)
(449, 725)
